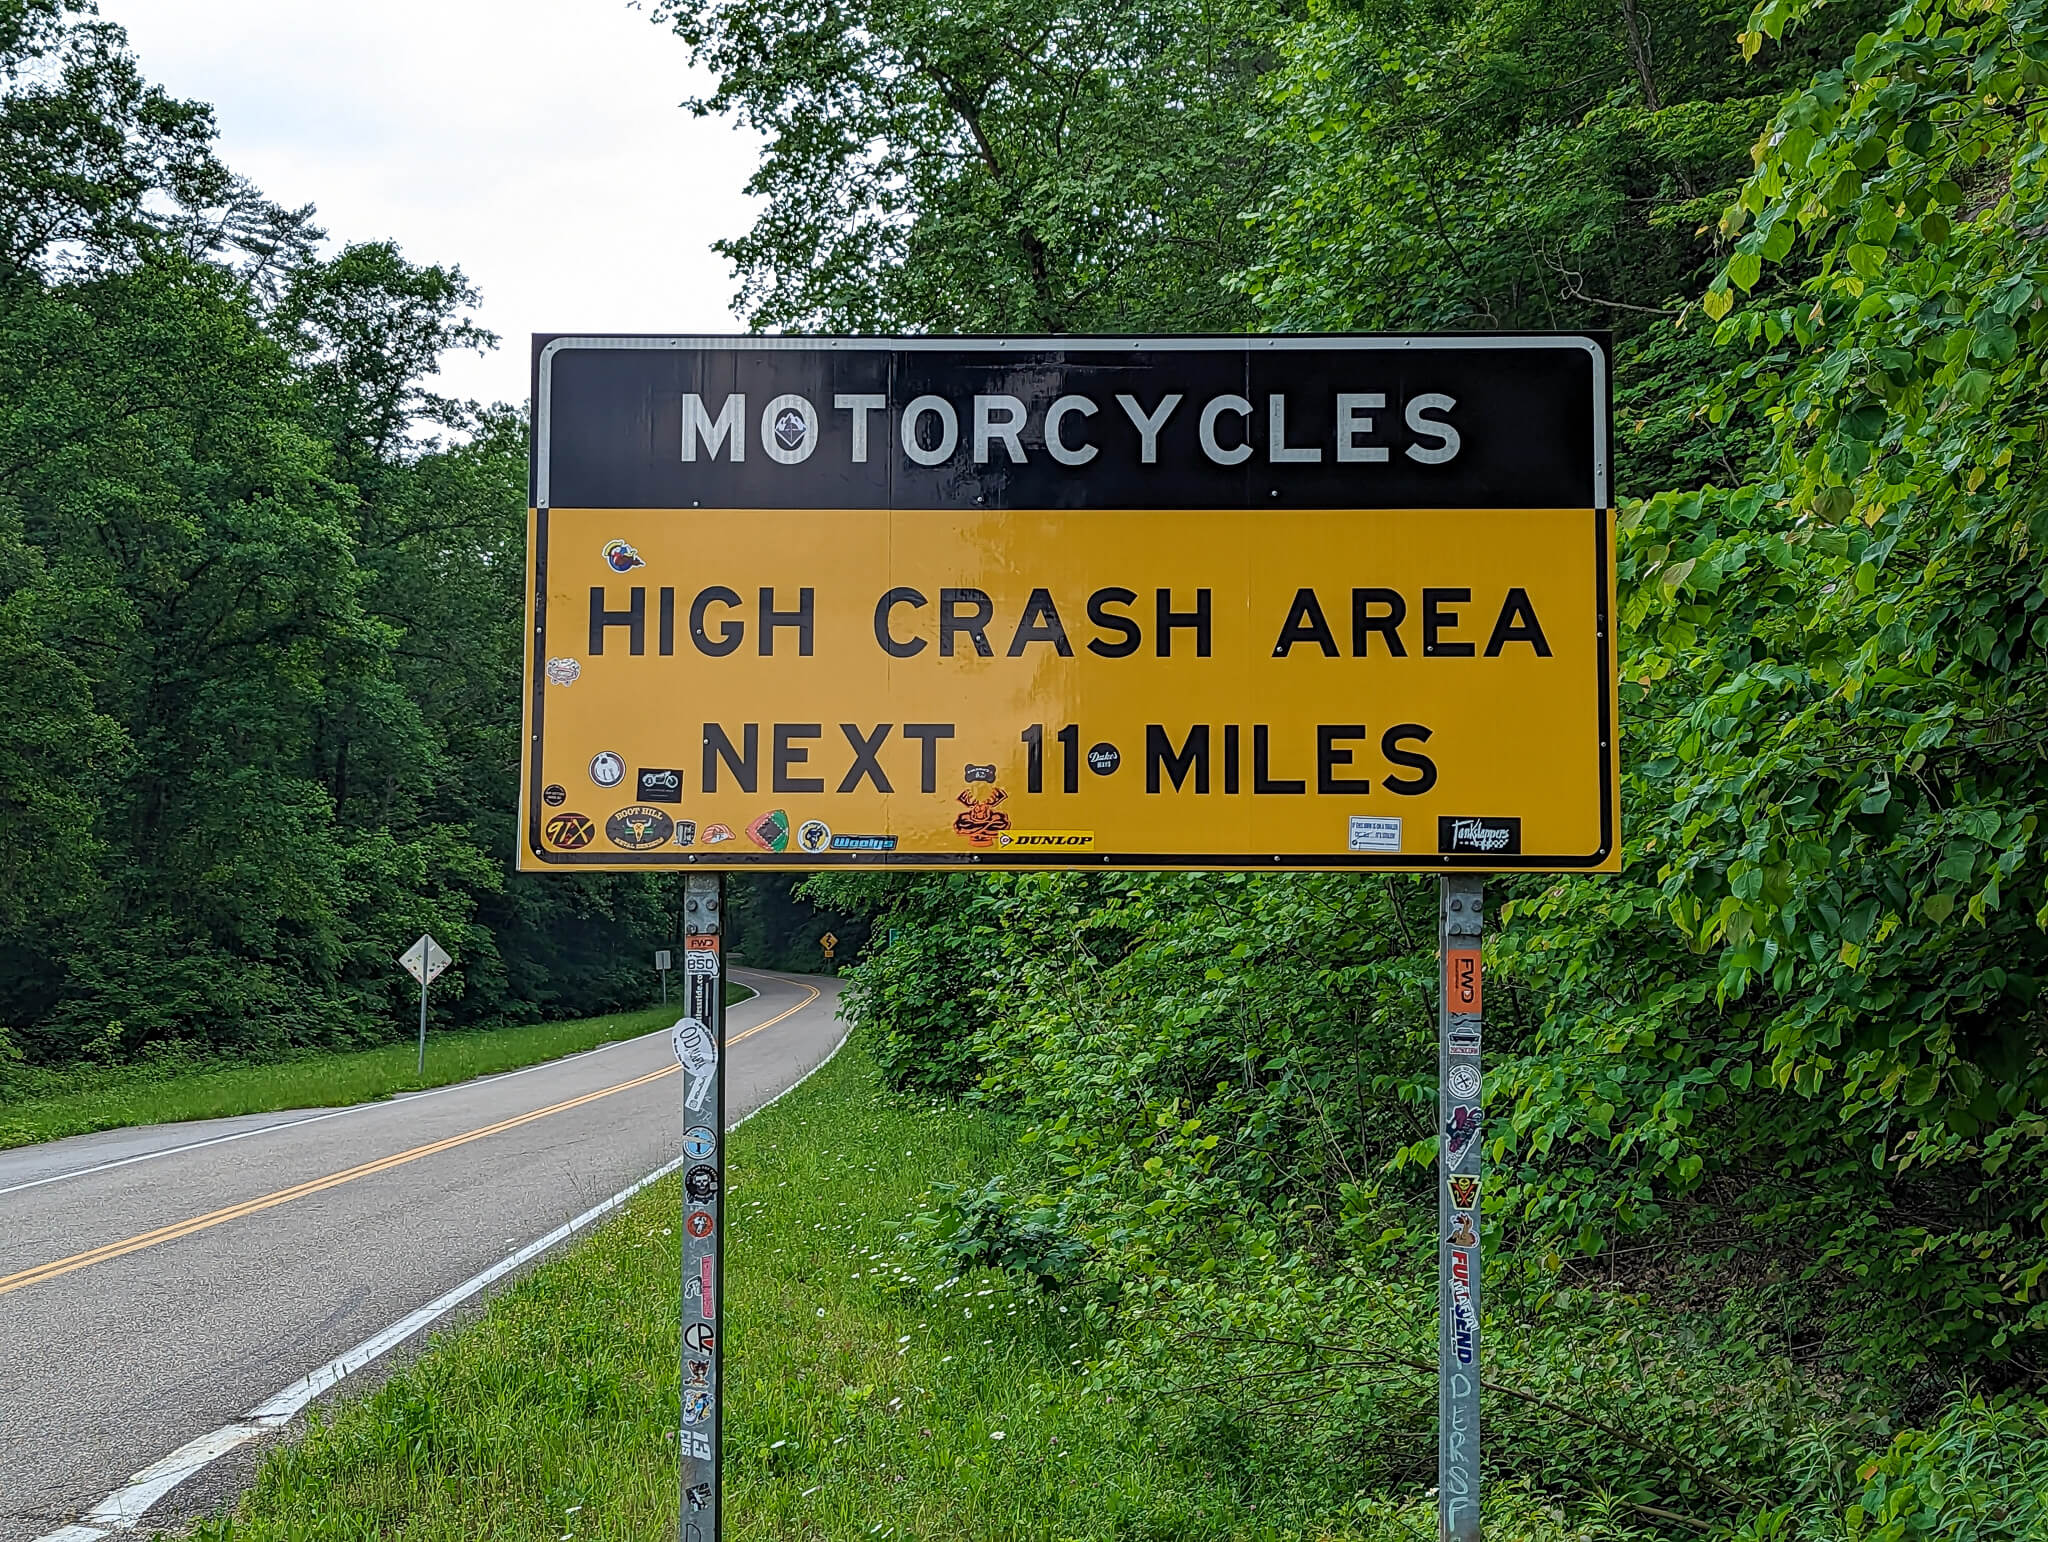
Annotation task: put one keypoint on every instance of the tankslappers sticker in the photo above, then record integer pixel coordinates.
(1492, 837)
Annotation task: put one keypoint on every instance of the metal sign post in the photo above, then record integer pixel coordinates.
(700, 1046)
(1460, 911)
(661, 963)
(424, 961)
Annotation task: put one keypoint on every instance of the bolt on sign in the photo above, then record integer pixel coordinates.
(1257, 603)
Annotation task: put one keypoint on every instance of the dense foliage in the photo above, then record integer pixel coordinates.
(259, 609)
(988, 165)
(1768, 1130)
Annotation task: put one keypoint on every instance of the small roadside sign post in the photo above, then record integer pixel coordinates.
(661, 965)
(1075, 604)
(424, 961)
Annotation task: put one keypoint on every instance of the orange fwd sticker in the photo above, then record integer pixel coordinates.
(1461, 980)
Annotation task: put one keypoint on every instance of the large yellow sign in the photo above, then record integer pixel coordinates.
(954, 677)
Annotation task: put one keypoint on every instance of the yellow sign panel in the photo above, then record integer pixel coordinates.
(1006, 686)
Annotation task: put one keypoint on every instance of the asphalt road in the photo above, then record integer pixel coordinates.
(146, 1302)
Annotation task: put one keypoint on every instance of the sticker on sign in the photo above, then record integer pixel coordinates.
(424, 960)
(1368, 834)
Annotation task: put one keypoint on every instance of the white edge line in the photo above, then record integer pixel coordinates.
(336, 1113)
(124, 1509)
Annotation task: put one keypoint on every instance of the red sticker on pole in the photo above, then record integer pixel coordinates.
(1461, 980)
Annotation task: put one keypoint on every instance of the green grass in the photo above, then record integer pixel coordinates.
(47, 1105)
(862, 1399)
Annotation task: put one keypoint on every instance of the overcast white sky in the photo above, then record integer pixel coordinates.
(536, 143)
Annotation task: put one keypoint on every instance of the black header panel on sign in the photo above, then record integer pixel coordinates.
(1172, 423)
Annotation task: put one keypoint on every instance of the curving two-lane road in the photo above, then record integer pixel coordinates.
(159, 1284)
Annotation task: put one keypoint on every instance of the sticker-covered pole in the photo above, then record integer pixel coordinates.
(1458, 1176)
(700, 1047)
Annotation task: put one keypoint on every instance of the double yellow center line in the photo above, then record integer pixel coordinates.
(248, 1207)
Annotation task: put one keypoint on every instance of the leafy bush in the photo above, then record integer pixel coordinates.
(982, 1227)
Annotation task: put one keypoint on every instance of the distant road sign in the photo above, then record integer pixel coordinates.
(661, 960)
(424, 960)
(1263, 603)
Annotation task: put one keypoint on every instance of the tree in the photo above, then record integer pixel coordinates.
(1037, 166)
(261, 636)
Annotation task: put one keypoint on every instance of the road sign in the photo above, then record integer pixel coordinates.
(1262, 603)
(661, 960)
(424, 960)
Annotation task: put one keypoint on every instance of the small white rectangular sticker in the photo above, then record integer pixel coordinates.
(1370, 834)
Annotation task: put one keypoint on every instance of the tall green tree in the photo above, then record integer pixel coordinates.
(260, 606)
(1037, 166)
